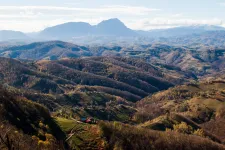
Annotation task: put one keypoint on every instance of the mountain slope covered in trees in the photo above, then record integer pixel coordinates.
(27, 125)
(197, 106)
(95, 86)
(190, 60)
(145, 97)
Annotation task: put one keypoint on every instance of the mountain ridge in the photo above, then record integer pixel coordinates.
(6, 35)
(107, 28)
(111, 27)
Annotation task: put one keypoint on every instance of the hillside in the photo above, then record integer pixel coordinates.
(102, 87)
(147, 98)
(127, 137)
(114, 135)
(45, 50)
(27, 125)
(191, 61)
(108, 72)
(201, 106)
(113, 89)
(198, 60)
(196, 106)
(208, 38)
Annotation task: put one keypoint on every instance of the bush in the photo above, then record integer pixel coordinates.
(220, 112)
(183, 128)
(199, 132)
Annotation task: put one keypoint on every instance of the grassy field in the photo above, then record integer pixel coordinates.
(83, 136)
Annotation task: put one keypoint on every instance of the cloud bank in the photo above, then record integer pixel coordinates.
(36, 18)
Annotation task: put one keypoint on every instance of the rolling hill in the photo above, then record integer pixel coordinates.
(189, 60)
(145, 97)
(200, 106)
(46, 50)
(95, 86)
(213, 38)
(126, 75)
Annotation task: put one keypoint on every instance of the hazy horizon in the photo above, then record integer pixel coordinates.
(109, 19)
(33, 16)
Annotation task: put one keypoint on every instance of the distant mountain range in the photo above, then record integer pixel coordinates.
(6, 35)
(181, 31)
(112, 28)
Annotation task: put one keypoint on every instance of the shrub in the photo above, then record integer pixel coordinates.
(183, 128)
(220, 112)
(199, 132)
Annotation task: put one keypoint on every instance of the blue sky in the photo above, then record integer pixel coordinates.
(35, 15)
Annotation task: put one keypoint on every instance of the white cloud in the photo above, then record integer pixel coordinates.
(36, 18)
(158, 23)
(222, 4)
(105, 9)
(38, 25)
(28, 26)
(131, 9)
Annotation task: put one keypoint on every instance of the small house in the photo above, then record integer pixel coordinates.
(89, 120)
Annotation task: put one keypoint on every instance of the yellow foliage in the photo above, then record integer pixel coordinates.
(168, 130)
(44, 144)
(35, 138)
(41, 125)
(117, 125)
(40, 133)
(47, 127)
(49, 137)
(199, 132)
(183, 128)
(40, 142)
(117, 147)
(2, 126)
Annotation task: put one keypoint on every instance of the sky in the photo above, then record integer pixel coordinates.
(35, 15)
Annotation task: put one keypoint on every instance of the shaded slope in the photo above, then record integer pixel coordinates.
(105, 72)
(24, 121)
(96, 86)
(46, 50)
(26, 76)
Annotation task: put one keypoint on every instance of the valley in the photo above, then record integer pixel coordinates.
(162, 97)
(108, 87)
